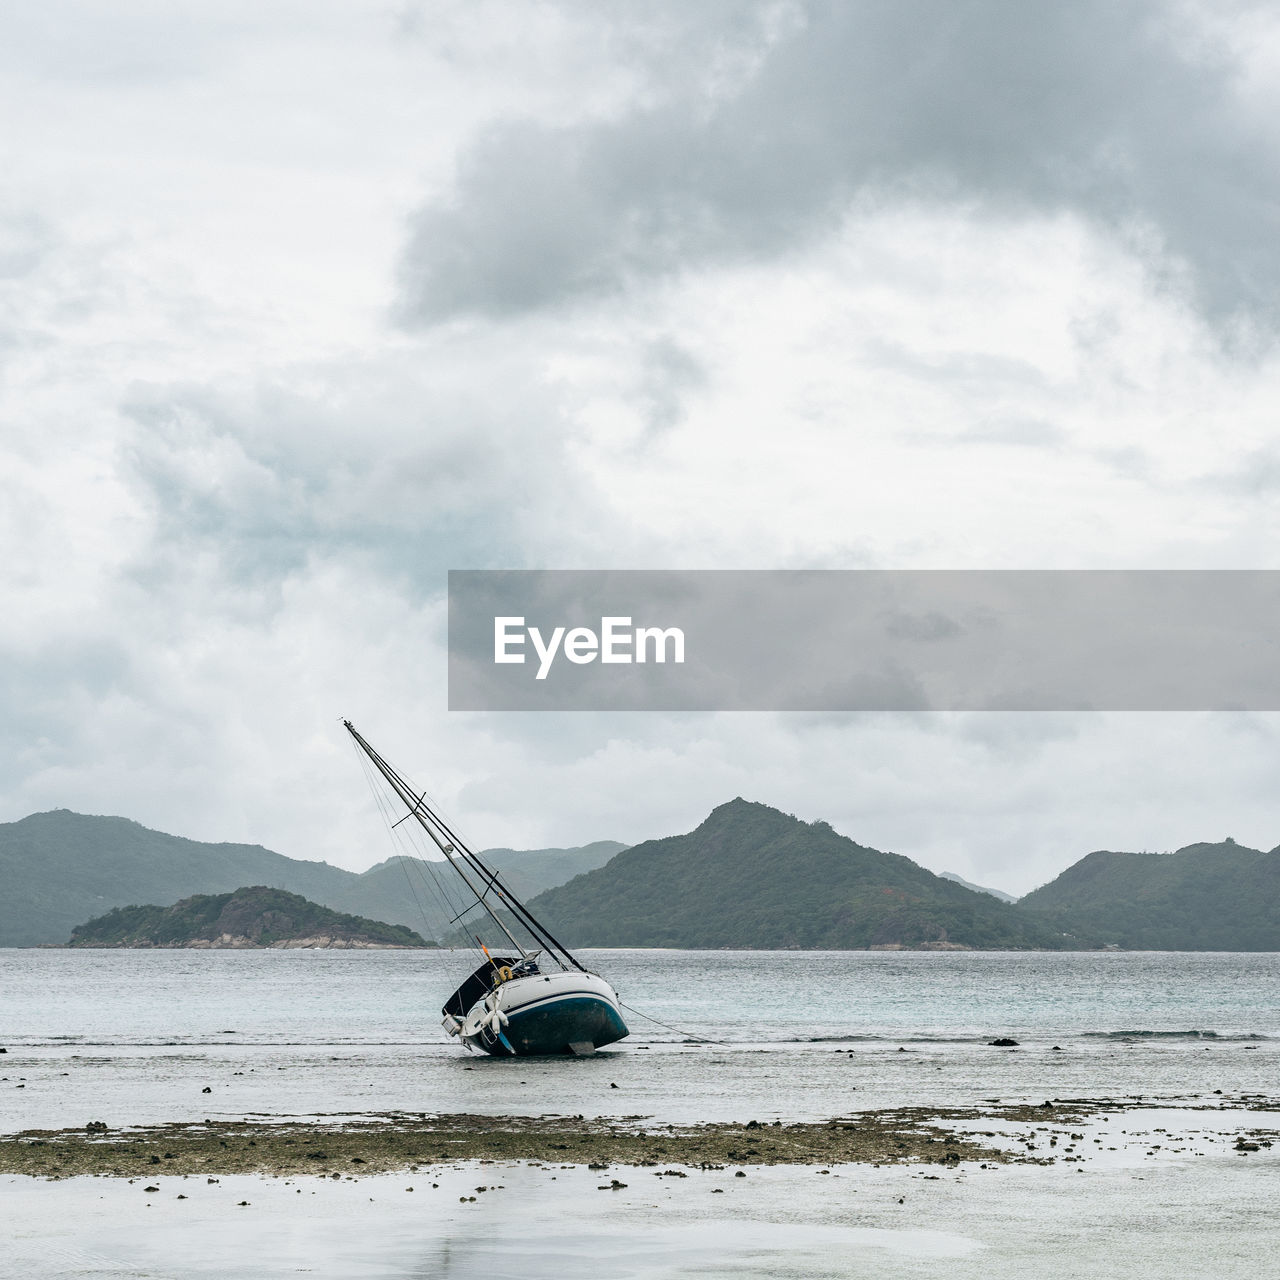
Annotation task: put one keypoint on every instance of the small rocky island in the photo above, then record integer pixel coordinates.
(245, 918)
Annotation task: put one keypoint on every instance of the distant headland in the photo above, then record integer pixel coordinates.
(251, 917)
(59, 869)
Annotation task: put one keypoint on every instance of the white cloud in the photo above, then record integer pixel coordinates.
(230, 486)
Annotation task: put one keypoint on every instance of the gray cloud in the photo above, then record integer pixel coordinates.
(408, 467)
(25, 242)
(670, 374)
(927, 628)
(1102, 109)
(228, 495)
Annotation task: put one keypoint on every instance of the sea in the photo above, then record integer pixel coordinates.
(133, 1037)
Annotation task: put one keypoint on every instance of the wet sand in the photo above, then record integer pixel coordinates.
(1104, 1191)
(394, 1142)
(997, 1134)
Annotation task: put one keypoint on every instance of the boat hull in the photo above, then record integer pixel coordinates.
(560, 1014)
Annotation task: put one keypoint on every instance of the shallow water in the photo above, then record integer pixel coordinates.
(1206, 1219)
(136, 1036)
(332, 997)
(133, 1037)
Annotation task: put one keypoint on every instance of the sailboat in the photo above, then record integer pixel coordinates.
(534, 998)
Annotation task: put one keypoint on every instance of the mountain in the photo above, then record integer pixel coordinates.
(1204, 897)
(753, 877)
(403, 890)
(749, 876)
(978, 888)
(529, 871)
(251, 917)
(60, 868)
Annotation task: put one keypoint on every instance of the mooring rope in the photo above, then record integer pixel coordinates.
(666, 1026)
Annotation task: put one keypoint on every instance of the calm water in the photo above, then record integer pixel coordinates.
(136, 1036)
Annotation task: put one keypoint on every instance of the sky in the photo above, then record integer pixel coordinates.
(303, 305)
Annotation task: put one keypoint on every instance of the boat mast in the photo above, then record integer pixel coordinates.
(420, 813)
(449, 844)
(539, 931)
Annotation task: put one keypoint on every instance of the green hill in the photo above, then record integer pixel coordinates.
(392, 890)
(1204, 897)
(978, 888)
(753, 877)
(249, 917)
(529, 871)
(60, 868)
(749, 876)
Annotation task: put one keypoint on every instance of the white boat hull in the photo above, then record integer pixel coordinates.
(555, 1013)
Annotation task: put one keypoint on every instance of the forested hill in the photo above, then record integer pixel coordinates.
(60, 868)
(1204, 897)
(753, 877)
(255, 916)
(749, 876)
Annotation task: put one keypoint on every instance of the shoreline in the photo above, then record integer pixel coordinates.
(391, 1142)
(229, 942)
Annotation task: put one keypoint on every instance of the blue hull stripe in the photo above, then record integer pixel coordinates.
(551, 999)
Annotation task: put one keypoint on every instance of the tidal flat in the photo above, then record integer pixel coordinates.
(393, 1142)
(1019, 1133)
(286, 1112)
(1102, 1190)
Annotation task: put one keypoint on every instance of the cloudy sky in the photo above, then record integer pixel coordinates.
(302, 305)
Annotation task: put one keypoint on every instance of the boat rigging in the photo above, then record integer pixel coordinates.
(510, 1005)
